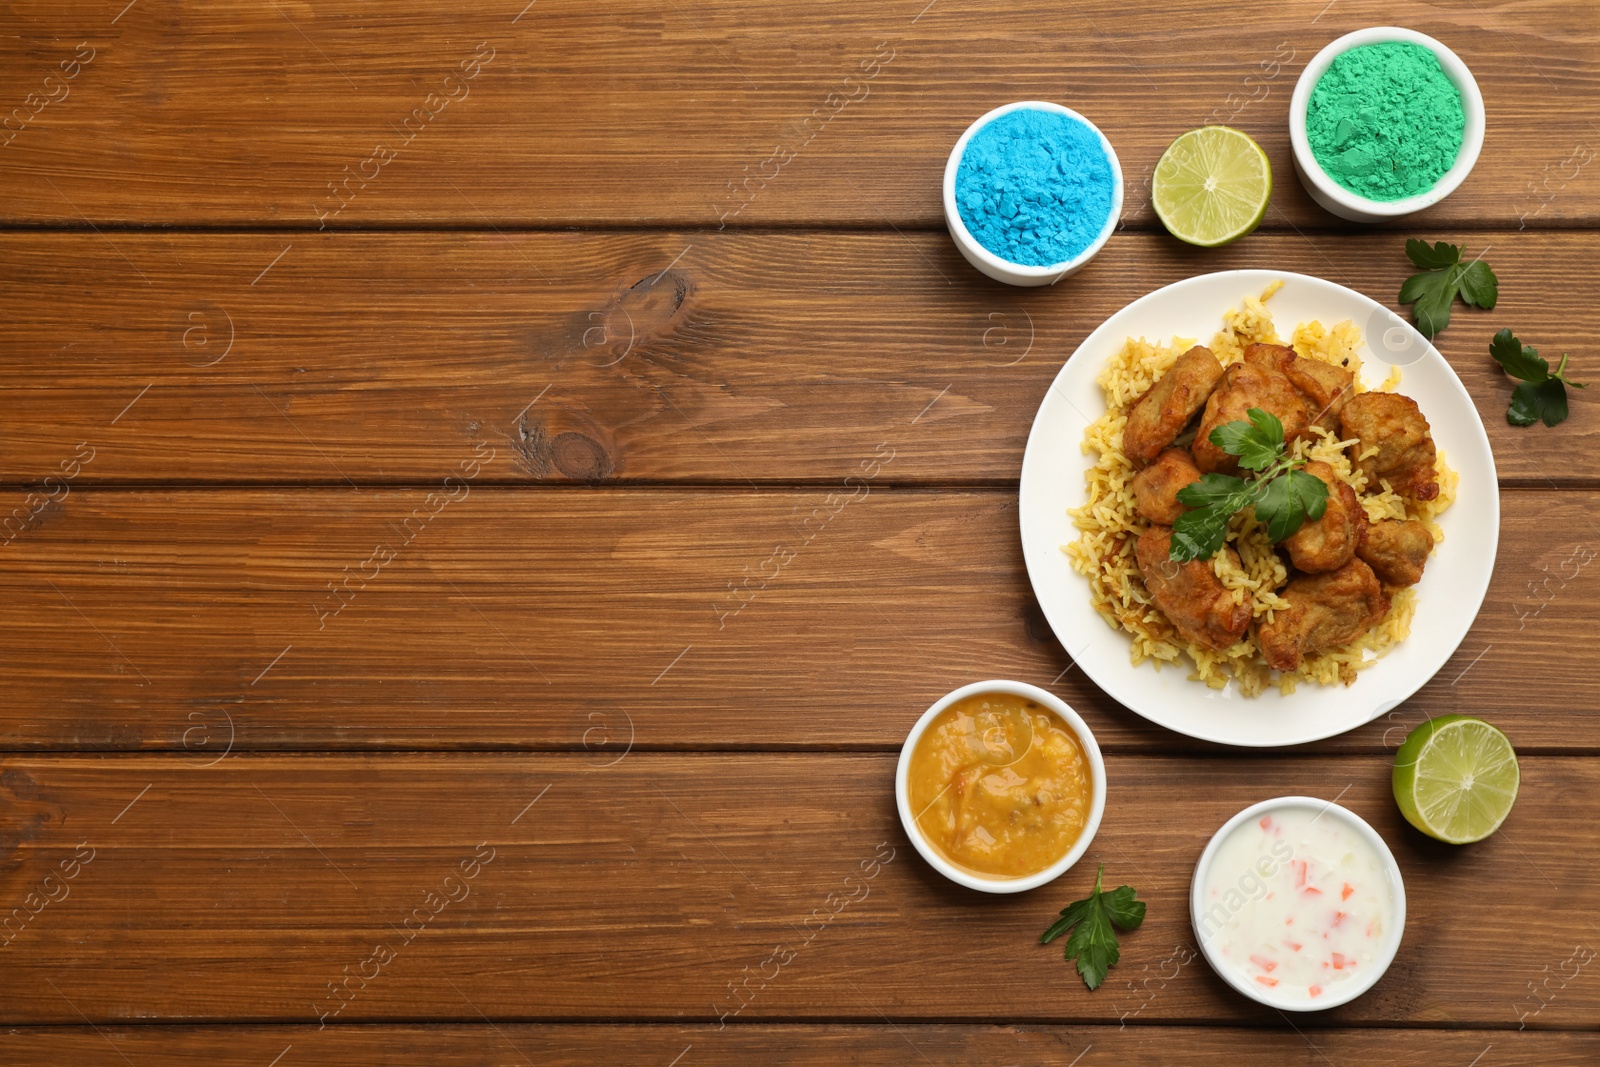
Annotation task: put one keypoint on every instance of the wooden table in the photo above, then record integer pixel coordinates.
(403, 409)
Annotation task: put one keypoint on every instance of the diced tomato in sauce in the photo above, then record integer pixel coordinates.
(1270, 889)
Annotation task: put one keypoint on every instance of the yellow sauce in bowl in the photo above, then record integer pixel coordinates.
(1000, 785)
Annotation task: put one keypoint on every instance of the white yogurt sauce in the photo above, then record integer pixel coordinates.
(1297, 902)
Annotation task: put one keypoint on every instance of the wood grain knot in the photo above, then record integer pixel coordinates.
(580, 457)
(569, 453)
(645, 312)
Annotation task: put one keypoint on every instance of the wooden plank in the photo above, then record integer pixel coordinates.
(633, 357)
(784, 1045)
(473, 617)
(247, 112)
(652, 888)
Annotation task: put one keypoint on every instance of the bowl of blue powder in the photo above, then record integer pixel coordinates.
(1384, 121)
(1032, 191)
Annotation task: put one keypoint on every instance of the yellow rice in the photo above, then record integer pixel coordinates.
(1108, 523)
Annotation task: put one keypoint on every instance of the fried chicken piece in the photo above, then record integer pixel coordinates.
(1325, 387)
(1189, 594)
(1406, 456)
(1246, 386)
(1270, 357)
(1166, 408)
(1325, 611)
(1397, 551)
(1328, 543)
(1155, 489)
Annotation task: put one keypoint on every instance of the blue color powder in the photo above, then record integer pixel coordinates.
(1035, 187)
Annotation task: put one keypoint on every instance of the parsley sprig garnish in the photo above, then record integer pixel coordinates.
(1433, 292)
(1094, 922)
(1283, 495)
(1542, 396)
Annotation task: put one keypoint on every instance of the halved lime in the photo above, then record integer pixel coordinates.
(1455, 778)
(1211, 186)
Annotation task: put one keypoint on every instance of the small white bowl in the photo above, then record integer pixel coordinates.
(1003, 270)
(1335, 197)
(1345, 992)
(1097, 796)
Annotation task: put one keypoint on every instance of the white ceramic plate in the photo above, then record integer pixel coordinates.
(1448, 597)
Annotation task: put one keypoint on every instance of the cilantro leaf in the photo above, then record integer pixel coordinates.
(1231, 437)
(1281, 500)
(1274, 506)
(1210, 489)
(1542, 395)
(1284, 503)
(1479, 287)
(1523, 410)
(1094, 922)
(1257, 443)
(1533, 402)
(1271, 427)
(1430, 295)
(1071, 915)
(1125, 910)
(1433, 292)
(1311, 492)
(1199, 532)
(1434, 256)
(1519, 360)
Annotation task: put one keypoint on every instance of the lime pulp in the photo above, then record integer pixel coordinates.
(1211, 186)
(1456, 778)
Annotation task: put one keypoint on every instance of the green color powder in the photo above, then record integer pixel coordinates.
(1384, 121)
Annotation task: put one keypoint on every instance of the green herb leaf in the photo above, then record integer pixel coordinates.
(1262, 449)
(1561, 372)
(1276, 509)
(1121, 905)
(1211, 489)
(1522, 411)
(1283, 504)
(1430, 295)
(1434, 291)
(1231, 437)
(1519, 360)
(1094, 922)
(1283, 497)
(1532, 402)
(1479, 287)
(1432, 257)
(1258, 443)
(1271, 427)
(1542, 396)
(1070, 915)
(1418, 286)
(1199, 532)
(1311, 492)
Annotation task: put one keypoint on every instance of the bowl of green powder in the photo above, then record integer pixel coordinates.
(1384, 121)
(1032, 191)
